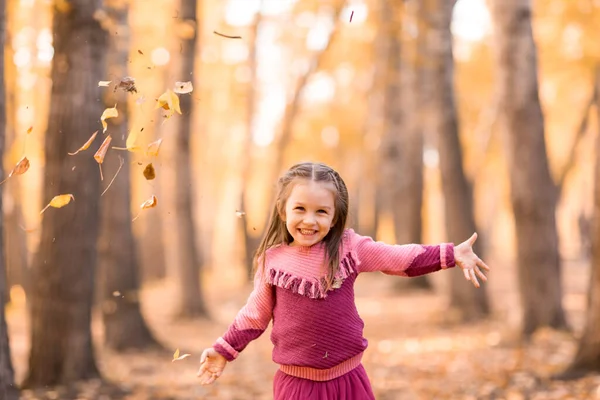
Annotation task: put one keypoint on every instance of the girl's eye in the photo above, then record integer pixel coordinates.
(299, 208)
(322, 211)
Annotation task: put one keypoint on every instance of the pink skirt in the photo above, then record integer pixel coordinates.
(354, 385)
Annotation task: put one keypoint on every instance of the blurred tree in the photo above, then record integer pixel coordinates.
(250, 241)
(440, 119)
(63, 270)
(587, 357)
(533, 193)
(185, 266)
(8, 390)
(400, 191)
(119, 284)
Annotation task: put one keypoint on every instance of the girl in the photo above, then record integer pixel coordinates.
(306, 266)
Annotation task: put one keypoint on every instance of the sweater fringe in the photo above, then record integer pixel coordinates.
(314, 288)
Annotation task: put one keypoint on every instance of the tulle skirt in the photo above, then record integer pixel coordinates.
(354, 385)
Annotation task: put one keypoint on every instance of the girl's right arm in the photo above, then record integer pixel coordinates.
(251, 321)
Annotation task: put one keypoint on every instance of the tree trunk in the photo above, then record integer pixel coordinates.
(8, 390)
(186, 262)
(587, 358)
(533, 194)
(124, 326)
(251, 241)
(440, 114)
(401, 149)
(63, 269)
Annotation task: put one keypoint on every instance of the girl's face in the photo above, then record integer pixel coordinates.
(309, 211)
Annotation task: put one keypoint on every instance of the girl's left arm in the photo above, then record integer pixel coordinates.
(403, 260)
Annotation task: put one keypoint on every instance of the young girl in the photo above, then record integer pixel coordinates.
(306, 266)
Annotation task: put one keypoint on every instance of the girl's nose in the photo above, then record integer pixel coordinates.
(309, 218)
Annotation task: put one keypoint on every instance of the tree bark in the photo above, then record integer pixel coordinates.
(63, 269)
(124, 325)
(185, 266)
(587, 358)
(401, 149)
(440, 114)
(8, 390)
(533, 193)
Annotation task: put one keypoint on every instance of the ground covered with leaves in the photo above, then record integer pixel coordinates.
(415, 350)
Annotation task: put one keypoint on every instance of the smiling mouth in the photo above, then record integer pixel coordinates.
(307, 232)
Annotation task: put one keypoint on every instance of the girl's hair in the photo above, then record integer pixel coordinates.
(277, 232)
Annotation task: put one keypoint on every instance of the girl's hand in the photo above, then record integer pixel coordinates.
(466, 259)
(212, 365)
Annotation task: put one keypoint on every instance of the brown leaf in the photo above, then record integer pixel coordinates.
(150, 203)
(139, 51)
(127, 84)
(149, 172)
(19, 169)
(101, 153)
(29, 130)
(86, 144)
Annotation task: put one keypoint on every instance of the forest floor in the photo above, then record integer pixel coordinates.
(415, 350)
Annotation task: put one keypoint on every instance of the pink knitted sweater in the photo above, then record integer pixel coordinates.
(318, 334)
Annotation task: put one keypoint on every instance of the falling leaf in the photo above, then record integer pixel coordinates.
(227, 36)
(150, 203)
(127, 84)
(19, 169)
(153, 148)
(149, 172)
(169, 101)
(86, 145)
(116, 293)
(63, 6)
(141, 100)
(139, 51)
(181, 357)
(101, 153)
(104, 83)
(108, 113)
(176, 354)
(239, 214)
(183, 87)
(29, 130)
(59, 201)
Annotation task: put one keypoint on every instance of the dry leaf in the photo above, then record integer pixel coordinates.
(153, 148)
(176, 354)
(150, 203)
(181, 357)
(86, 145)
(169, 101)
(239, 214)
(59, 201)
(101, 153)
(127, 84)
(29, 130)
(139, 51)
(104, 83)
(149, 172)
(183, 87)
(108, 113)
(19, 169)
(63, 6)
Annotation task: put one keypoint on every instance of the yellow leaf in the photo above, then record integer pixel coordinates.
(150, 203)
(108, 113)
(176, 354)
(181, 357)
(63, 6)
(153, 148)
(169, 101)
(130, 143)
(59, 201)
(183, 87)
(29, 130)
(86, 145)
(104, 83)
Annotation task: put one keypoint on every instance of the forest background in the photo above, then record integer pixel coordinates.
(444, 118)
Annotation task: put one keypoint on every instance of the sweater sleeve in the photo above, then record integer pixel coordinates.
(251, 321)
(403, 260)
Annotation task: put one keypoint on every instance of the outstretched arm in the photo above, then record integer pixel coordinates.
(251, 321)
(416, 259)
